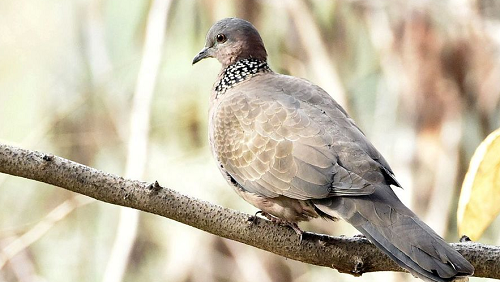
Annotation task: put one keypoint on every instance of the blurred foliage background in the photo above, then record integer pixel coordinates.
(421, 78)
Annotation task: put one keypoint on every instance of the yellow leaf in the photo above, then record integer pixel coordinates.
(479, 200)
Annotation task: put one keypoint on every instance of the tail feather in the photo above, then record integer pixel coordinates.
(404, 260)
(397, 231)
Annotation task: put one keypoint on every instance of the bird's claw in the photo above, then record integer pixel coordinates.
(253, 218)
(297, 230)
(282, 222)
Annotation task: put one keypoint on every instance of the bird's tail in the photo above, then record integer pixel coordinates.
(397, 231)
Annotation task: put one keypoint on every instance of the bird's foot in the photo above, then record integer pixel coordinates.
(268, 216)
(253, 218)
(282, 222)
(297, 230)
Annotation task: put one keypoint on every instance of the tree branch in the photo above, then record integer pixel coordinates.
(348, 255)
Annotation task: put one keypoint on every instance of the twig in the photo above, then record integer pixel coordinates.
(35, 233)
(321, 62)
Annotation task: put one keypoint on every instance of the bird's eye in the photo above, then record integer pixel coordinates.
(221, 38)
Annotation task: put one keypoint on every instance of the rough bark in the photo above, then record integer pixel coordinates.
(348, 255)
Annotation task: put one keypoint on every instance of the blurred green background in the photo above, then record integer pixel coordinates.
(422, 80)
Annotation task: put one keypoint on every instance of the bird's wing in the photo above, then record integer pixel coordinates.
(273, 143)
(315, 96)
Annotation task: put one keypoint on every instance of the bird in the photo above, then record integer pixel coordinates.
(288, 148)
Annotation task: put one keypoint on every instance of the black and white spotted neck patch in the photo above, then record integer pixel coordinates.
(239, 71)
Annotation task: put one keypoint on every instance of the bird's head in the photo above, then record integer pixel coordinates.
(230, 40)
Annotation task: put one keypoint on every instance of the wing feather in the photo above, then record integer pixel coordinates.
(275, 142)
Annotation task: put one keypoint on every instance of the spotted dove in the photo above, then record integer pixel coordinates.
(289, 149)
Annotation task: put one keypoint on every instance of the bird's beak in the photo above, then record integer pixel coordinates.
(202, 55)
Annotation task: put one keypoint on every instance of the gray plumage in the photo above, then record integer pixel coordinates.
(289, 149)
